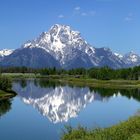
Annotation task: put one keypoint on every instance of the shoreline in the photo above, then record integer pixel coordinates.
(112, 84)
(80, 81)
(7, 94)
(125, 130)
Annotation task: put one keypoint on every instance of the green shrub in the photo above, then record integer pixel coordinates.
(129, 130)
(135, 137)
(5, 83)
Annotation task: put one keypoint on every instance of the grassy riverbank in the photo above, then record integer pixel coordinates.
(80, 80)
(128, 130)
(6, 88)
(6, 94)
(102, 83)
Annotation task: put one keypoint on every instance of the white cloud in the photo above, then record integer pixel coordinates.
(84, 14)
(61, 16)
(129, 17)
(81, 12)
(88, 13)
(77, 8)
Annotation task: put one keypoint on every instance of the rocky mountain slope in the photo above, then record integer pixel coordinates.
(62, 47)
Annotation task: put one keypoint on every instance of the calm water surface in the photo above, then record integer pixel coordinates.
(42, 109)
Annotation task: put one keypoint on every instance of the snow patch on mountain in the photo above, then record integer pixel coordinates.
(131, 58)
(119, 55)
(5, 52)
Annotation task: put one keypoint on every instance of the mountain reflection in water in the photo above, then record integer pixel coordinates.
(59, 102)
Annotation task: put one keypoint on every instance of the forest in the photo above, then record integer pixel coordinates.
(103, 73)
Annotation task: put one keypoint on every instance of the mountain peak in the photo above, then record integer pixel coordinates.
(64, 32)
(60, 40)
(132, 57)
(69, 50)
(58, 36)
(131, 53)
(5, 52)
(60, 26)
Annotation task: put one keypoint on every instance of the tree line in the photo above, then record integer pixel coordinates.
(103, 73)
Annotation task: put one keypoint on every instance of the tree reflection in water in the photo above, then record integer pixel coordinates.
(5, 106)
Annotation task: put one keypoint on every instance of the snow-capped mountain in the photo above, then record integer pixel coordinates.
(34, 58)
(131, 59)
(107, 58)
(5, 52)
(62, 47)
(66, 46)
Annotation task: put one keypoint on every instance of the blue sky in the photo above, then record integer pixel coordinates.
(103, 23)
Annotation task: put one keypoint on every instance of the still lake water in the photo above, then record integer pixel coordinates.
(42, 109)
